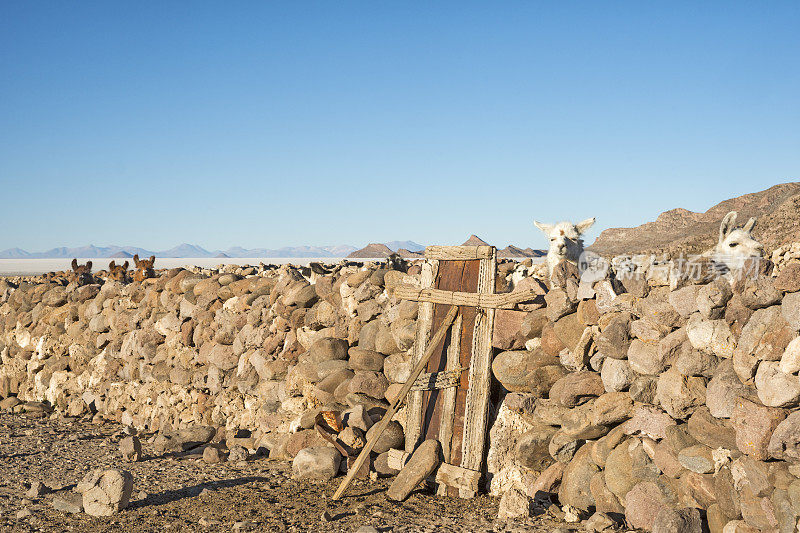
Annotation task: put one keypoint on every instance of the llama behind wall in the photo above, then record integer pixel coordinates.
(735, 245)
(565, 241)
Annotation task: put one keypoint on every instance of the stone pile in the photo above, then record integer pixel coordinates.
(659, 398)
(633, 393)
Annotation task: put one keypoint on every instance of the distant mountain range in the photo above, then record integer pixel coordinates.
(411, 250)
(411, 246)
(194, 250)
(408, 249)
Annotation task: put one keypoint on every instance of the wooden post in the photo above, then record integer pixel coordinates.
(449, 398)
(424, 325)
(477, 407)
(437, 338)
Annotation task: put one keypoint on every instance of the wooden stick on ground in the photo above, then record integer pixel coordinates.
(437, 338)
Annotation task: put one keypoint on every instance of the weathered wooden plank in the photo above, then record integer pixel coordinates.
(449, 396)
(469, 284)
(458, 477)
(468, 299)
(459, 253)
(477, 402)
(450, 276)
(387, 417)
(424, 324)
(453, 276)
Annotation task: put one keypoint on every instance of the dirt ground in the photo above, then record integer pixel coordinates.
(186, 494)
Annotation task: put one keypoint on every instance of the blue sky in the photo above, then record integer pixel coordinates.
(271, 124)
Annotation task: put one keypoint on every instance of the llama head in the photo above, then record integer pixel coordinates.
(144, 263)
(396, 262)
(81, 274)
(144, 268)
(565, 240)
(736, 245)
(118, 272)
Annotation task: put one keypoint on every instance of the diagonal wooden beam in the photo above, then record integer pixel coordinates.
(437, 338)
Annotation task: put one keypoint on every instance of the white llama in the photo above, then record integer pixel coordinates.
(735, 245)
(565, 241)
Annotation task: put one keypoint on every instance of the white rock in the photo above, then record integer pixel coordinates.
(776, 388)
(712, 336)
(515, 504)
(790, 361)
(500, 460)
(318, 463)
(616, 374)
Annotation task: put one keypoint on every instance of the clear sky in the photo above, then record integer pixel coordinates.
(271, 124)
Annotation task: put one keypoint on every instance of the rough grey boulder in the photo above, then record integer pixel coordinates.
(616, 374)
(131, 448)
(318, 463)
(685, 520)
(423, 461)
(515, 504)
(106, 492)
(785, 441)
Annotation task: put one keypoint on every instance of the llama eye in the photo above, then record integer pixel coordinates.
(733, 244)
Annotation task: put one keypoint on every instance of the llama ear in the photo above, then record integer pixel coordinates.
(546, 228)
(727, 225)
(152, 260)
(89, 265)
(582, 227)
(125, 265)
(112, 265)
(750, 225)
(75, 264)
(136, 259)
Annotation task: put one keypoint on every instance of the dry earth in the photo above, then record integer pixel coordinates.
(186, 494)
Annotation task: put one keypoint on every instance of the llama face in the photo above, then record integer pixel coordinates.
(81, 274)
(736, 245)
(118, 272)
(565, 240)
(395, 262)
(144, 268)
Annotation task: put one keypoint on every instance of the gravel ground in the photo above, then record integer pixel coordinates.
(186, 494)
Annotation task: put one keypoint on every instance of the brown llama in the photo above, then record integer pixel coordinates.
(81, 274)
(118, 272)
(144, 268)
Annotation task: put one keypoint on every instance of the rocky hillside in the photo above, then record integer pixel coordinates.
(373, 250)
(680, 230)
(376, 250)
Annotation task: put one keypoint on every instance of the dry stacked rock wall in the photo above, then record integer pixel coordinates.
(649, 394)
(250, 349)
(639, 396)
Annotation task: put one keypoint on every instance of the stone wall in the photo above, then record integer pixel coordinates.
(652, 393)
(637, 396)
(251, 348)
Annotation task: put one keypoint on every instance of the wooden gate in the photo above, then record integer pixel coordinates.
(450, 402)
